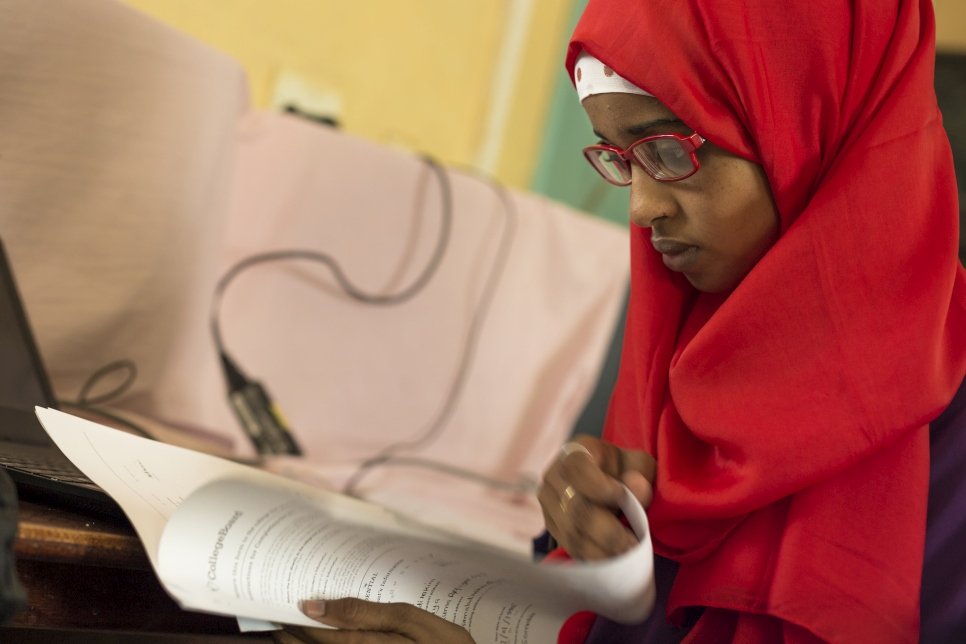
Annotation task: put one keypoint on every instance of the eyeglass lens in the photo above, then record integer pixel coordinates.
(610, 165)
(667, 157)
(664, 158)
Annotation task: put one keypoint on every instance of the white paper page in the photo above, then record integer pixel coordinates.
(150, 479)
(148, 484)
(238, 548)
(621, 588)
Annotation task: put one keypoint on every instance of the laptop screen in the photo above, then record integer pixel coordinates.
(23, 382)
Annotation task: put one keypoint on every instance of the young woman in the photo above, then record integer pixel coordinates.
(797, 316)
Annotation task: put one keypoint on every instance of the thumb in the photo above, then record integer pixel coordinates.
(639, 486)
(638, 470)
(354, 614)
(601, 463)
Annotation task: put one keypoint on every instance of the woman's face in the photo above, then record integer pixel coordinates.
(713, 226)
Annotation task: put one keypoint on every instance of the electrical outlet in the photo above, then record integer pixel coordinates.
(294, 93)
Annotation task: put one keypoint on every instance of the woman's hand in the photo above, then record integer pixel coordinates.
(581, 491)
(362, 622)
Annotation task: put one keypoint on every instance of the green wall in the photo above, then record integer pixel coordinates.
(561, 172)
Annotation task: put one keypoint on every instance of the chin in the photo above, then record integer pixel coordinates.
(711, 283)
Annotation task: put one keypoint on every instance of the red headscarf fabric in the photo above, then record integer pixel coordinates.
(789, 418)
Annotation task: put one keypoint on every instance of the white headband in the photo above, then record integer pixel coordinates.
(594, 77)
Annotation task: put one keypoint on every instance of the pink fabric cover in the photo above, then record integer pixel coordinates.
(134, 174)
(116, 153)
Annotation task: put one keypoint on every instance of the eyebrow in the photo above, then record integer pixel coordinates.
(643, 129)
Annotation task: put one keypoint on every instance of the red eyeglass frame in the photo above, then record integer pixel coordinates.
(690, 143)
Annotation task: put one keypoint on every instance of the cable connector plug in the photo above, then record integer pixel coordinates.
(257, 413)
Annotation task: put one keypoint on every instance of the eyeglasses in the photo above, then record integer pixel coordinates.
(665, 157)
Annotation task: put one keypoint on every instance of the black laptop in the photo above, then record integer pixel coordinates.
(39, 469)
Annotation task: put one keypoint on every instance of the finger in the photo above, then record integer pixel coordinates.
(585, 530)
(581, 493)
(638, 461)
(611, 459)
(591, 467)
(594, 532)
(589, 479)
(581, 447)
(573, 447)
(618, 463)
(357, 614)
(639, 486)
(602, 542)
(405, 620)
(564, 509)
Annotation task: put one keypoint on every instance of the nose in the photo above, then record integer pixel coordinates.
(650, 199)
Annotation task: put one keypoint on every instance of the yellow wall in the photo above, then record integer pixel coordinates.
(950, 24)
(414, 73)
(419, 73)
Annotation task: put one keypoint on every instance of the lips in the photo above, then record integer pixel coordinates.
(677, 255)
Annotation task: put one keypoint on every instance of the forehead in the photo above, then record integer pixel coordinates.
(616, 115)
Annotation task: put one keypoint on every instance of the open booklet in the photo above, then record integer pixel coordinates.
(231, 539)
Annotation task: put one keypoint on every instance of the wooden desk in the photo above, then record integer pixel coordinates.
(87, 574)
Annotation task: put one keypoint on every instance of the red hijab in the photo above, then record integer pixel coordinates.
(789, 418)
